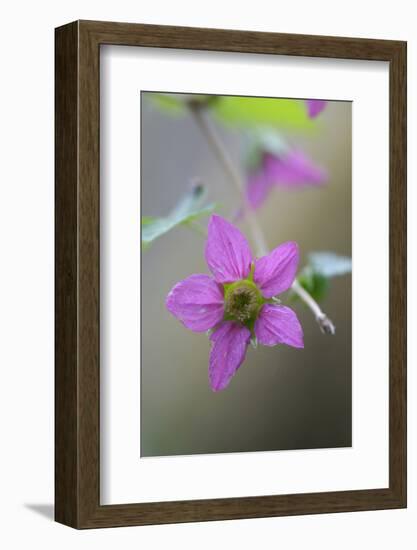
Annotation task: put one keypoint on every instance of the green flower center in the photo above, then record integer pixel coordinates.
(242, 301)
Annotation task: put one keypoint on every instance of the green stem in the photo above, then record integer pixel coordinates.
(325, 324)
(216, 146)
(207, 129)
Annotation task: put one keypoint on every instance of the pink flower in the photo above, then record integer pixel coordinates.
(315, 107)
(292, 169)
(237, 302)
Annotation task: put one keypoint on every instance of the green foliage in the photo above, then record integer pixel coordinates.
(316, 284)
(321, 268)
(271, 112)
(241, 111)
(168, 103)
(260, 141)
(186, 212)
(146, 220)
(329, 264)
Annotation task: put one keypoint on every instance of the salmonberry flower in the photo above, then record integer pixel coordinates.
(239, 301)
(315, 107)
(291, 169)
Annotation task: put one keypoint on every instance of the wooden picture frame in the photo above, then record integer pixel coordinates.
(77, 371)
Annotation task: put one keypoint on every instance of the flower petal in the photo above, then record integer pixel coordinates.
(227, 251)
(275, 272)
(294, 169)
(229, 343)
(197, 302)
(257, 189)
(315, 106)
(278, 325)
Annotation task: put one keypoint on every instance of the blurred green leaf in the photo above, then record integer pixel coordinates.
(272, 112)
(167, 103)
(321, 267)
(330, 264)
(177, 104)
(240, 111)
(260, 141)
(146, 220)
(316, 284)
(187, 211)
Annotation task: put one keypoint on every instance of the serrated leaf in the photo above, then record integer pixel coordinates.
(272, 112)
(188, 209)
(330, 264)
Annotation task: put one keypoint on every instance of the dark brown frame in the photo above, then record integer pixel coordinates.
(77, 370)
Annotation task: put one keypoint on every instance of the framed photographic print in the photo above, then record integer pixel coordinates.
(230, 274)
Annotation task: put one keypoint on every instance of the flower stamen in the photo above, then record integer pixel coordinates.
(242, 301)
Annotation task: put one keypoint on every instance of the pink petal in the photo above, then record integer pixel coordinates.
(278, 325)
(227, 251)
(294, 169)
(197, 302)
(276, 272)
(229, 343)
(315, 107)
(257, 189)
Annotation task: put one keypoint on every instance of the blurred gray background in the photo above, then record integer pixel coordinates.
(281, 398)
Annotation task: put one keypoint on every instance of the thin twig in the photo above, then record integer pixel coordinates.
(325, 324)
(207, 129)
(228, 166)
